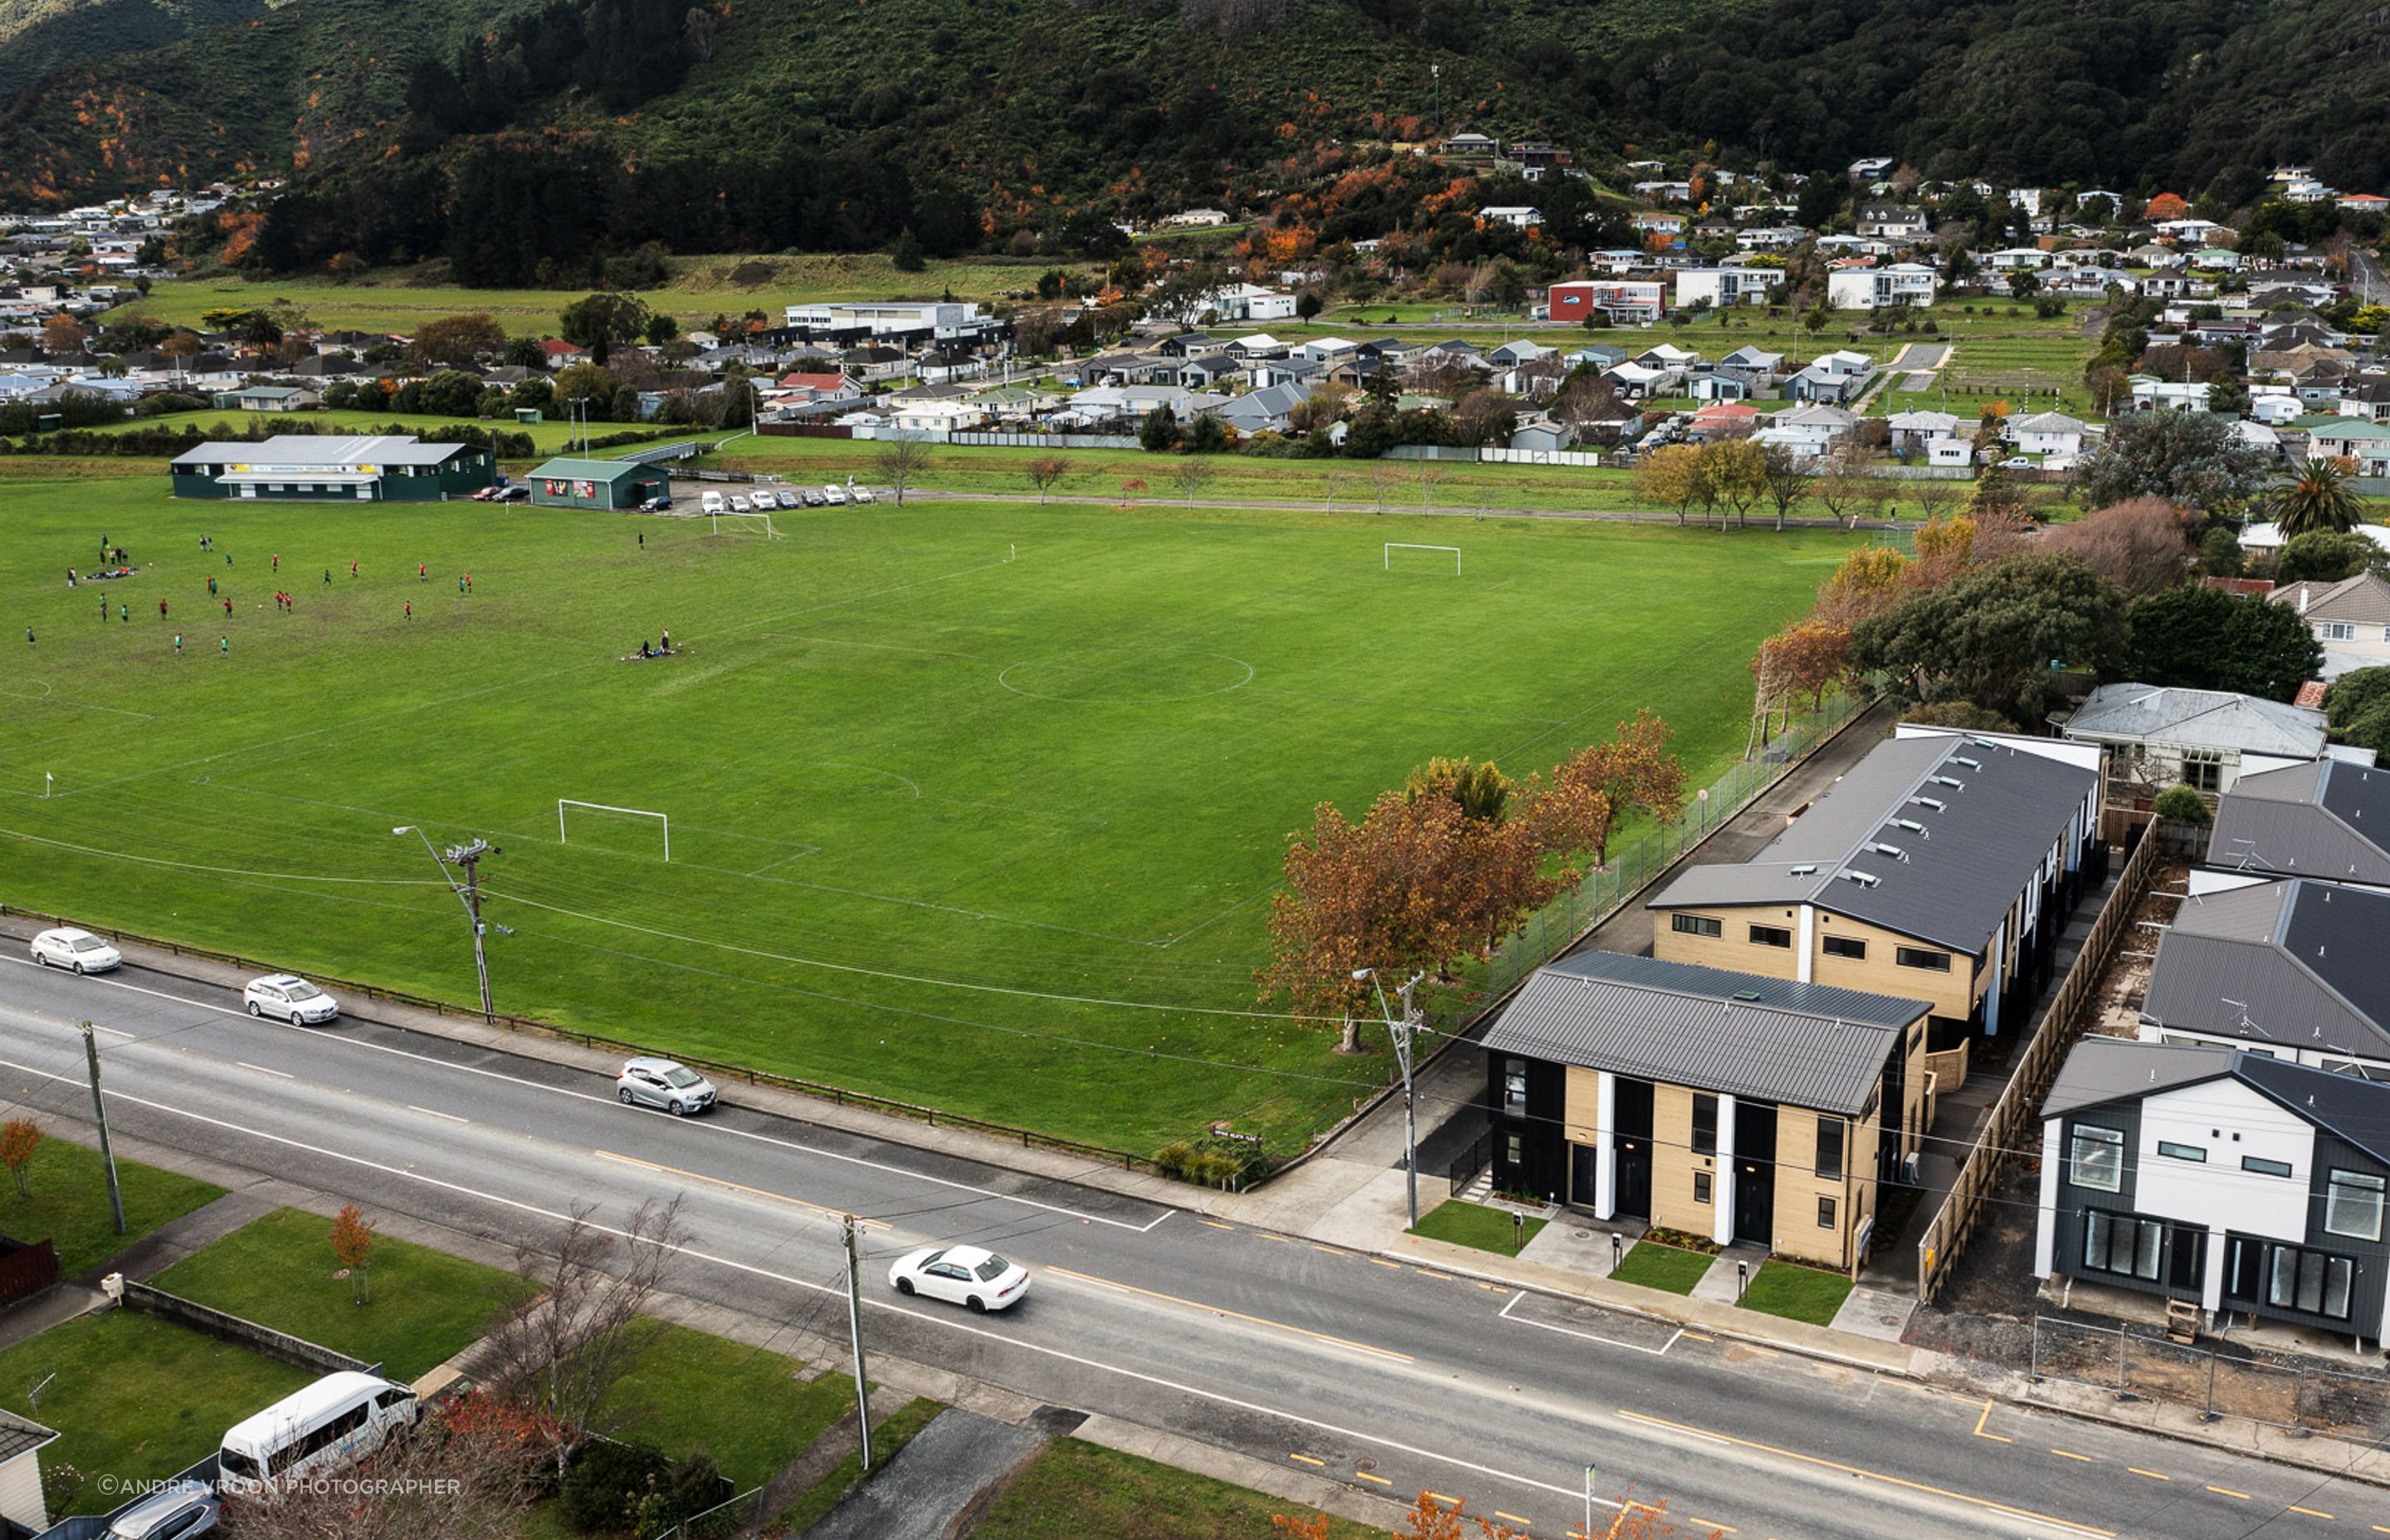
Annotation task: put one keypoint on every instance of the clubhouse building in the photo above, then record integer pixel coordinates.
(323, 468)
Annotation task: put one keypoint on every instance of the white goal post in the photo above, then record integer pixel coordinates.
(1393, 545)
(769, 532)
(563, 802)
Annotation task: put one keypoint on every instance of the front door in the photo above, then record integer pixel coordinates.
(1755, 1202)
(1583, 1189)
(2186, 1276)
(1634, 1179)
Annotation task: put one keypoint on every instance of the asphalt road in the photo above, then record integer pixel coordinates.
(1396, 1378)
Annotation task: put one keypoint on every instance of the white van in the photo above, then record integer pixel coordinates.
(711, 502)
(336, 1421)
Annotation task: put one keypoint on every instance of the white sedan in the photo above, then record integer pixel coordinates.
(961, 1275)
(287, 997)
(68, 947)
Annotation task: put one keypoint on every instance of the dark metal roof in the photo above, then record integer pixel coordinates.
(2294, 963)
(2104, 1070)
(1942, 832)
(20, 1435)
(1746, 1036)
(2328, 820)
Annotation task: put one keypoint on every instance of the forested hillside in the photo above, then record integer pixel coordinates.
(510, 136)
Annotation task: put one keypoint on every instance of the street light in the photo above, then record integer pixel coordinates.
(468, 893)
(1401, 1032)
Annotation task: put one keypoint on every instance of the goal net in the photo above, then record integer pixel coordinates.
(747, 523)
(609, 810)
(1393, 545)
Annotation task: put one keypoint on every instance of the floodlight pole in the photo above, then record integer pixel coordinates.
(1401, 1032)
(468, 892)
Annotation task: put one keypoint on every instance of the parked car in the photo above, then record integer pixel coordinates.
(814, 499)
(2017, 462)
(711, 502)
(962, 1275)
(787, 498)
(488, 494)
(837, 495)
(739, 504)
(79, 950)
(175, 1513)
(513, 494)
(663, 1083)
(656, 505)
(287, 997)
(861, 494)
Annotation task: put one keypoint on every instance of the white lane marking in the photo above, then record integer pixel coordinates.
(278, 1074)
(435, 1112)
(1590, 1337)
(586, 1096)
(1575, 1492)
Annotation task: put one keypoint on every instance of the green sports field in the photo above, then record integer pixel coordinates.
(953, 790)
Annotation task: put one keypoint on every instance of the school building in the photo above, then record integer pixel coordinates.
(569, 483)
(317, 467)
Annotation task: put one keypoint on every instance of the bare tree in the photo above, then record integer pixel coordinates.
(1430, 474)
(1845, 490)
(1934, 497)
(1333, 483)
(565, 1342)
(1192, 474)
(1788, 478)
(902, 462)
(1381, 476)
(1045, 472)
(468, 1472)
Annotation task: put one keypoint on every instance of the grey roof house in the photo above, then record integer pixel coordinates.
(2290, 968)
(2328, 819)
(2157, 736)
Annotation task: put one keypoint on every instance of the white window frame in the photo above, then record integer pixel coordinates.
(2368, 1188)
(2091, 1140)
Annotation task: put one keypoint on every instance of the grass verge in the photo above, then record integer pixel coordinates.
(1797, 1293)
(1488, 1229)
(1665, 1268)
(844, 1477)
(692, 1390)
(1073, 1487)
(68, 1205)
(425, 1306)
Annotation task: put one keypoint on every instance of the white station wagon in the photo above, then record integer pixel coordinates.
(287, 997)
(80, 950)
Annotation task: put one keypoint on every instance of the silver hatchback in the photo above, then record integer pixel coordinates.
(664, 1084)
(176, 1513)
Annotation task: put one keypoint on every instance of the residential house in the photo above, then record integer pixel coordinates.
(2351, 618)
(1892, 221)
(2285, 967)
(1262, 373)
(1671, 226)
(1809, 431)
(1260, 344)
(1724, 287)
(1327, 350)
(2152, 394)
(1902, 283)
(2361, 441)
(2306, 820)
(1517, 216)
(2266, 538)
(1832, 378)
(1920, 429)
(1470, 146)
(2159, 735)
(937, 415)
(1770, 237)
(1939, 867)
(2049, 433)
(1723, 420)
(23, 1508)
(2367, 397)
(1758, 360)
(2017, 259)
(1723, 384)
(1542, 435)
(2229, 1181)
(1735, 1106)
(807, 386)
(1621, 302)
(1192, 344)
(1265, 411)
(269, 398)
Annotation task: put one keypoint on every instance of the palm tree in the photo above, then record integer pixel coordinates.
(2317, 498)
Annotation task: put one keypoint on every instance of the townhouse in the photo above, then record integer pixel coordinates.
(2288, 967)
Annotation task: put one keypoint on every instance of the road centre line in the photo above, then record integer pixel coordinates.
(2155, 1477)
(2069, 1454)
(1865, 1474)
(2228, 1492)
(711, 1128)
(435, 1112)
(736, 1186)
(1511, 1517)
(278, 1074)
(1232, 1314)
(1590, 1337)
(1364, 1475)
(2310, 1512)
(945, 1322)
(1306, 1459)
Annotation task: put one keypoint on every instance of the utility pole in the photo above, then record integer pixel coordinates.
(1401, 1032)
(468, 892)
(99, 1111)
(855, 1329)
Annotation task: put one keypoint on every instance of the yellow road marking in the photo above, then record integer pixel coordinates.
(1383, 1262)
(1273, 1240)
(1442, 1498)
(2070, 1455)
(736, 1186)
(1764, 1353)
(1698, 1338)
(1233, 1315)
(1871, 1475)
(2379, 1530)
(1364, 1475)
(1512, 1517)
(2308, 1511)
(1306, 1459)
(1711, 1523)
(1440, 1277)
(1986, 1418)
(1215, 1224)
(1495, 1287)
(2150, 1474)
(1329, 1250)
(2228, 1492)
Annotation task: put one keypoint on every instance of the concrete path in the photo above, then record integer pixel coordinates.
(949, 1472)
(178, 1237)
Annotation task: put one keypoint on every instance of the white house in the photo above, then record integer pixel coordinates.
(938, 416)
(2150, 394)
(1723, 288)
(1920, 430)
(2351, 618)
(1517, 216)
(1903, 283)
(2018, 258)
(2049, 433)
(1808, 432)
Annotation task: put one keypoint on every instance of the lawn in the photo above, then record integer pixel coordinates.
(1666, 1267)
(956, 792)
(1073, 1487)
(690, 1390)
(887, 1438)
(135, 1398)
(1796, 1292)
(68, 1205)
(1488, 1229)
(426, 1306)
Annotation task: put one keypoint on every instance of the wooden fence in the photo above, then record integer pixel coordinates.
(1946, 1238)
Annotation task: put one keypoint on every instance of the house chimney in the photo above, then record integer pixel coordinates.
(2304, 589)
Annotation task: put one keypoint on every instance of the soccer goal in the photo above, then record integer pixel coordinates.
(747, 522)
(1393, 545)
(563, 802)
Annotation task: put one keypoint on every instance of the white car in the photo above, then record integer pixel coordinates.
(837, 495)
(287, 997)
(68, 947)
(961, 1275)
(861, 494)
(739, 504)
(661, 1083)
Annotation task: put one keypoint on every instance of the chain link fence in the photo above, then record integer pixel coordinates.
(2139, 1366)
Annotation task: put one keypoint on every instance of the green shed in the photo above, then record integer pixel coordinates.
(569, 483)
